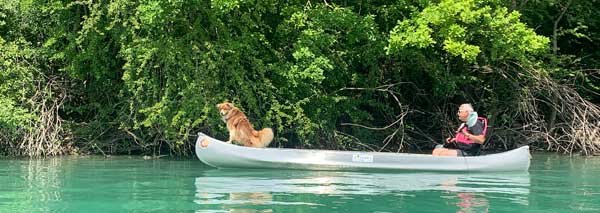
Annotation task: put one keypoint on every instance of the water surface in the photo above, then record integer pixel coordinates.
(554, 183)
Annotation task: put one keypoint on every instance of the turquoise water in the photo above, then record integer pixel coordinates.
(130, 184)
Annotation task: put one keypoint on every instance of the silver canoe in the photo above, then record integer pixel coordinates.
(220, 154)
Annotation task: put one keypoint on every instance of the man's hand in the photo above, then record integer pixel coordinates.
(466, 133)
(450, 140)
(480, 139)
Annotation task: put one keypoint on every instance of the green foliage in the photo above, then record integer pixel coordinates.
(463, 33)
(21, 64)
(12, 117)
(326, 49)
(17, 77)
(465, 28)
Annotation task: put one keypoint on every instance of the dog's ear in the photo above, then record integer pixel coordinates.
(225, 105)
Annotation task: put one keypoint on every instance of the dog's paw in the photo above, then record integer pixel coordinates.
(229, 141)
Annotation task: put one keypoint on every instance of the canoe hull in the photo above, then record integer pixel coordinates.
(219, 154)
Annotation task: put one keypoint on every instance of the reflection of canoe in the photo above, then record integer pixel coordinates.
(239, 188)
(224, 155)
(328, 182)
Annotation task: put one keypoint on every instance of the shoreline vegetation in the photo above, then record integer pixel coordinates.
(142, 78)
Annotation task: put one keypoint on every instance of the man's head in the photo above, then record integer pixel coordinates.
(463, 111)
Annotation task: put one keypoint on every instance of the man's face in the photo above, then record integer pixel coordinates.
(462, 114)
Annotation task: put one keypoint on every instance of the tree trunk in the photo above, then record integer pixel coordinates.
(555, 28)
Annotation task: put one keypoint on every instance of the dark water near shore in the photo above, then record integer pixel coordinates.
(554, 183)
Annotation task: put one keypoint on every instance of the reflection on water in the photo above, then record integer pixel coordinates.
(469, 202)
(36, 182)
(131, 184)
(230, 188)
(96, 184)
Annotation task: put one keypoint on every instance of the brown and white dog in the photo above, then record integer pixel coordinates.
(240, 128)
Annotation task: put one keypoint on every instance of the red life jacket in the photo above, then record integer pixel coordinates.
(461, 138)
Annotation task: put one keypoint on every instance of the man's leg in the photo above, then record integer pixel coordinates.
(444, 152)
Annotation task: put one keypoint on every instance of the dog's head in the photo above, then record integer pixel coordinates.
(225, 108)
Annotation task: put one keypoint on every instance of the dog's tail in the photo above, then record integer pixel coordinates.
(265, 136)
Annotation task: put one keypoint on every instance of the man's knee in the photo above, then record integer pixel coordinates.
(437, 151)
(444, 152)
